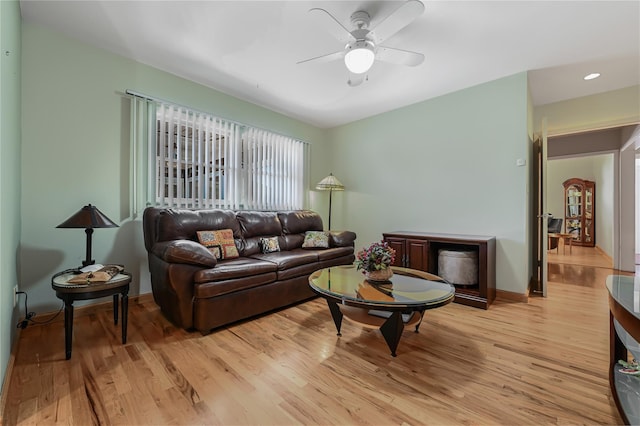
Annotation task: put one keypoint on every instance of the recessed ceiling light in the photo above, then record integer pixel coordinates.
(592, 76)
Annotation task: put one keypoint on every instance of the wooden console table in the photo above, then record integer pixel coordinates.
(419, 250)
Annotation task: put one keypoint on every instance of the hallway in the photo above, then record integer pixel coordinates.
(583, 266)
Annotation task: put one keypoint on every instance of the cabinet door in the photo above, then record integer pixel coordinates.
(580, 211)
(398, 244)
(573, 214)
(589, 214)
(418, 255)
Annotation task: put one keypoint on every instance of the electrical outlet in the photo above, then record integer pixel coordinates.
(15, 296)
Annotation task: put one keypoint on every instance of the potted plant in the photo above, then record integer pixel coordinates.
(375, 261)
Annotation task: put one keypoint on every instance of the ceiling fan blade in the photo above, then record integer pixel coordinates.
(357, 79)
(335, 28)
(399, 56)
(325, 58)
(399, 19)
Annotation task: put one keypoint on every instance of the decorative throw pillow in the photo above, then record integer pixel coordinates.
(315, 239)
(220, 243)
(269, 245)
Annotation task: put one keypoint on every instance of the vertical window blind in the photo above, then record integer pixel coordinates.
(196, 160)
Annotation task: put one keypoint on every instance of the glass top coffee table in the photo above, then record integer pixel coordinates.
(388, 305)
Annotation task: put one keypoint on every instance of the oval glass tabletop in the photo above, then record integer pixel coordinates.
(406, 288)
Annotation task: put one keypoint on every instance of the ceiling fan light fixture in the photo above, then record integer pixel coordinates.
(360, 56)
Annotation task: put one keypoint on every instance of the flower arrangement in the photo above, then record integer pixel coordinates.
(376, 257)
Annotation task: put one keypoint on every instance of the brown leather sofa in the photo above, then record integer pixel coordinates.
(195, 290)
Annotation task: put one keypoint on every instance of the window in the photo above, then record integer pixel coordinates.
(196, 160)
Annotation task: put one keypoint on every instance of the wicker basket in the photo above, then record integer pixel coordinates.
(379, 275)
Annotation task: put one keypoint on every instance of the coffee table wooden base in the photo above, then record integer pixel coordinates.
(391, 328)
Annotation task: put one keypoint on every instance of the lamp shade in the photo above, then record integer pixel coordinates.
(88, 217)
(359, 57)
(330, 183)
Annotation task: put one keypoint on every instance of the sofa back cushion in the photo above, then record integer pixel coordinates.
(176, 224)
(255, 225)
(294, 225)
(247, 226)
(259, 224)
(149, 226)
(300, 221)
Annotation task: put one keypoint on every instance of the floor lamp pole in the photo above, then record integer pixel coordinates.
(330, 192)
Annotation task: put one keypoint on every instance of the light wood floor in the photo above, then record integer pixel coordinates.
(544, 362)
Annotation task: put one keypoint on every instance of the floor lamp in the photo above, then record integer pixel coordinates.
(330, 183)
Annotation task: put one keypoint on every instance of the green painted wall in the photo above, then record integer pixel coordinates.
(443, 165)
(75, 151)
(10, 51)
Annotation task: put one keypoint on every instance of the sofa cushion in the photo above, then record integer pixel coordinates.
(300, 221)
(341, 238)
(220, 243)
(269, 244)
(219, 288)
(315, 239)
(234, 268)
(291, 241)
(259, 224)
(334, 253)
(298, 271)
(177, 224)
(289, 259)
(184, 251)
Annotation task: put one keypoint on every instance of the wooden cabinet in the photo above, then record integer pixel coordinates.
(419, 250)
(624, 330)
(580, 211)
(410, 253)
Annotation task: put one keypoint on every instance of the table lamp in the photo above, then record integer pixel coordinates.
(88, 217)
(330, 183)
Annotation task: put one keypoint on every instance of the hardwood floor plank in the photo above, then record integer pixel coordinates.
(543, 362)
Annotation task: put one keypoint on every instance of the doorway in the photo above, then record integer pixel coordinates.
(598, 168)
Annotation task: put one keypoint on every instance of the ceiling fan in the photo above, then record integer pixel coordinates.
(363, 43)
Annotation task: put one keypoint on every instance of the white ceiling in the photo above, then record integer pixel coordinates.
(249, 49)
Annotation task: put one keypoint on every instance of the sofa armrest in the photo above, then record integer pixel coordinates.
(184, 251)
(342, 238)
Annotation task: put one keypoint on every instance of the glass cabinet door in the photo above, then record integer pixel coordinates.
(588, 214)
(574, 211)
(579, 199)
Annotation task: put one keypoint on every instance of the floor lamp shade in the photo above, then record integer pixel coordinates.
(88, 217)
(330, 183)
